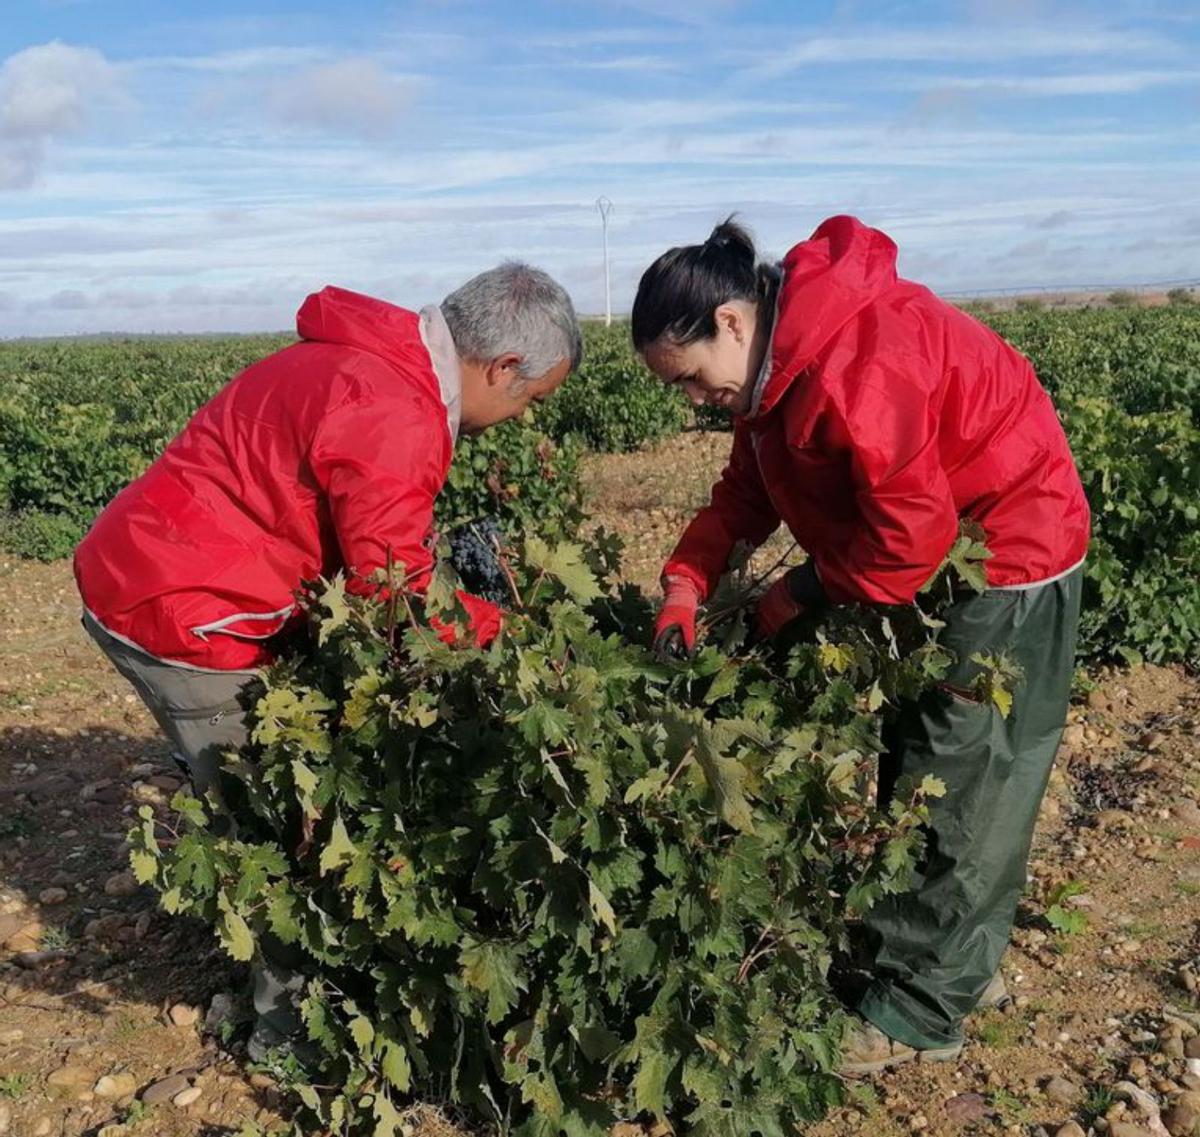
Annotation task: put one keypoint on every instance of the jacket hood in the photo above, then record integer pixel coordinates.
(350, 319)
(827, 280)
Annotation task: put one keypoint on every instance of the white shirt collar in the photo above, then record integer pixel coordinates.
(435, 335)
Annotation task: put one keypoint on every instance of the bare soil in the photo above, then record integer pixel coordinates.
(103, 997)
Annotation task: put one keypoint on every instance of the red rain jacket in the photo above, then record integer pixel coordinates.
(325, 456)
(883, 416)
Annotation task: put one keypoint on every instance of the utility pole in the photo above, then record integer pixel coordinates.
(605, 208)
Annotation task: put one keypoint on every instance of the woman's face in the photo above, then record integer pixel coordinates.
(718, 372)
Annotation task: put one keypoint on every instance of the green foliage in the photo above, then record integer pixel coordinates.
(1142, 476)
(15, 1085)
(516, 474)
(1063, 892)
(41, 535)
(1140, 359)
(1123, 298)
(713, 418)
(136, 1112)
(56, 939)
(1098, 1100)
(614, 402)
(998, 1031)
(1181, 296)
(1014, 1110)
(555, 881)
(1127, 386)
(1065, 921)
(16, 824)
(79, 420)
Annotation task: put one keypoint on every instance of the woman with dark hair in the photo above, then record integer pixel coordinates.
(870, 417)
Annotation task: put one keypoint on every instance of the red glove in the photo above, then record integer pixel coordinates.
(776, 609)
(483, 618)
(675, 628)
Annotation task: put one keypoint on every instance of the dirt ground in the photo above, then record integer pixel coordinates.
(103, 999)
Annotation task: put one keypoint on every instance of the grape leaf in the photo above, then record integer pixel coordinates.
(726, 777)
(339, 850)
(650, 1082)
(362, 1032)
(601, 908)
(565, 563)
(236, 936)
(396, 1066)
(494, 970)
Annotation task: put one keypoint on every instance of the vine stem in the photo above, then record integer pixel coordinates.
(391, 585)
(744, 598)
(687, 757)
(756, 953)
(414, 623)
(755, 581)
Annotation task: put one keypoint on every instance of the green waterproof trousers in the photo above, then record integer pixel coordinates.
(934, 948)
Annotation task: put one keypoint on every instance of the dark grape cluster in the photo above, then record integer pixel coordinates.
(475, 557)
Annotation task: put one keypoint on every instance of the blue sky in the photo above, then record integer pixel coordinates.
(191, 166)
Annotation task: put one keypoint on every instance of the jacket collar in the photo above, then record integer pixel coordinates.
(764, 372)
(435, 335)
(844, 267)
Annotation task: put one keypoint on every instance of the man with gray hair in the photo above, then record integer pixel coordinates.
(325, 457)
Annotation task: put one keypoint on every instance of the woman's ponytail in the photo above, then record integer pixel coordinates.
(680, 292)
(732, 242)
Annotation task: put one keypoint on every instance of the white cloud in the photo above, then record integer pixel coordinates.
(685, 11)
(1097, 83)
(1015, 11)
(46, 92)
(588, 38)
(52, 89)
(20, 161)
(889, 45)
(70, 299)
(241, 61)
(257, 175)
(638, 63)
(354, 96)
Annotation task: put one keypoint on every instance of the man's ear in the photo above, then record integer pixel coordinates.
(504, 369)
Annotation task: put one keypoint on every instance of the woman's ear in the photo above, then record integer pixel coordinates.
(730, 318)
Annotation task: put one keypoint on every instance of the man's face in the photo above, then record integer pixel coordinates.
(497, 391)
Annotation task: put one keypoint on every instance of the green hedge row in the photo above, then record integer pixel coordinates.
(79, 419)
(1127, 385)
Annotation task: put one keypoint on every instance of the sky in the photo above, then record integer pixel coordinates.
(189, 167)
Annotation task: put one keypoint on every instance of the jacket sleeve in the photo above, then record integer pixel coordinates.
(381, 465)
(887, 437)
(740, 510)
